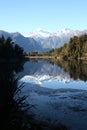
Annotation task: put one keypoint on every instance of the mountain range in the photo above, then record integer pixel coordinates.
(42, 41)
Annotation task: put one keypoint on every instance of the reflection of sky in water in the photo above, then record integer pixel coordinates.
(73, 84)
(68, 106)
(49, 76)
(54, 83)
(42, 67)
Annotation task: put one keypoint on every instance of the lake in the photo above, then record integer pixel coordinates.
(58, 90)
(52, 74)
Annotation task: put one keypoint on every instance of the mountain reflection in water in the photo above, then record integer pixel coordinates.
(55, 74)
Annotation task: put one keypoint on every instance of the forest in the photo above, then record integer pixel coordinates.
(75, 49)
(9, 50)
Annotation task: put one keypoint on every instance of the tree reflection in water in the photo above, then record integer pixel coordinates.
(77, 69)
(12, 116)
(14, 112)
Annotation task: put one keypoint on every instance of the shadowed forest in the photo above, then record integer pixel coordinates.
(14, 110)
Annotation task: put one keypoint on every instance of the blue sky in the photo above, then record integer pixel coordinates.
(50, 15)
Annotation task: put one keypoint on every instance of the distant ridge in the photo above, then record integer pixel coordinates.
(41, 40)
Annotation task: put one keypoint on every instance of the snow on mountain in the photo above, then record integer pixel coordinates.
(39, 33)
(52, 40)
(40, 40)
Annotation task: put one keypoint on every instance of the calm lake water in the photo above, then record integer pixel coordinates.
(66, 106)
(55, 74)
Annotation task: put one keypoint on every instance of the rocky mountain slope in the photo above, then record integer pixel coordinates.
(41, 40)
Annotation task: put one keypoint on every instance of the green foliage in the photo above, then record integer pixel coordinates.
(9, 50)
(75, 49)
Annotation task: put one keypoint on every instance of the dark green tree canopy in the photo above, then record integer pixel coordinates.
(75, 49)
(9, 50)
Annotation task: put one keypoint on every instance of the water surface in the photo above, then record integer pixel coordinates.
(55, 75)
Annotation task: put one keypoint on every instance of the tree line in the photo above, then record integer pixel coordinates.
(9, 50)
(75, 49)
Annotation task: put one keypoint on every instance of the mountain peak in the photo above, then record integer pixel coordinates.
(41, 40)
(39, 33)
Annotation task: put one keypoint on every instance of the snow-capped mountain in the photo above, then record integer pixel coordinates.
(52, 40)
(40, 40)
(39, 33)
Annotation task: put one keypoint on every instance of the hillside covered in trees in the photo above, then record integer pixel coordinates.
(9, 50)
(75, 49)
